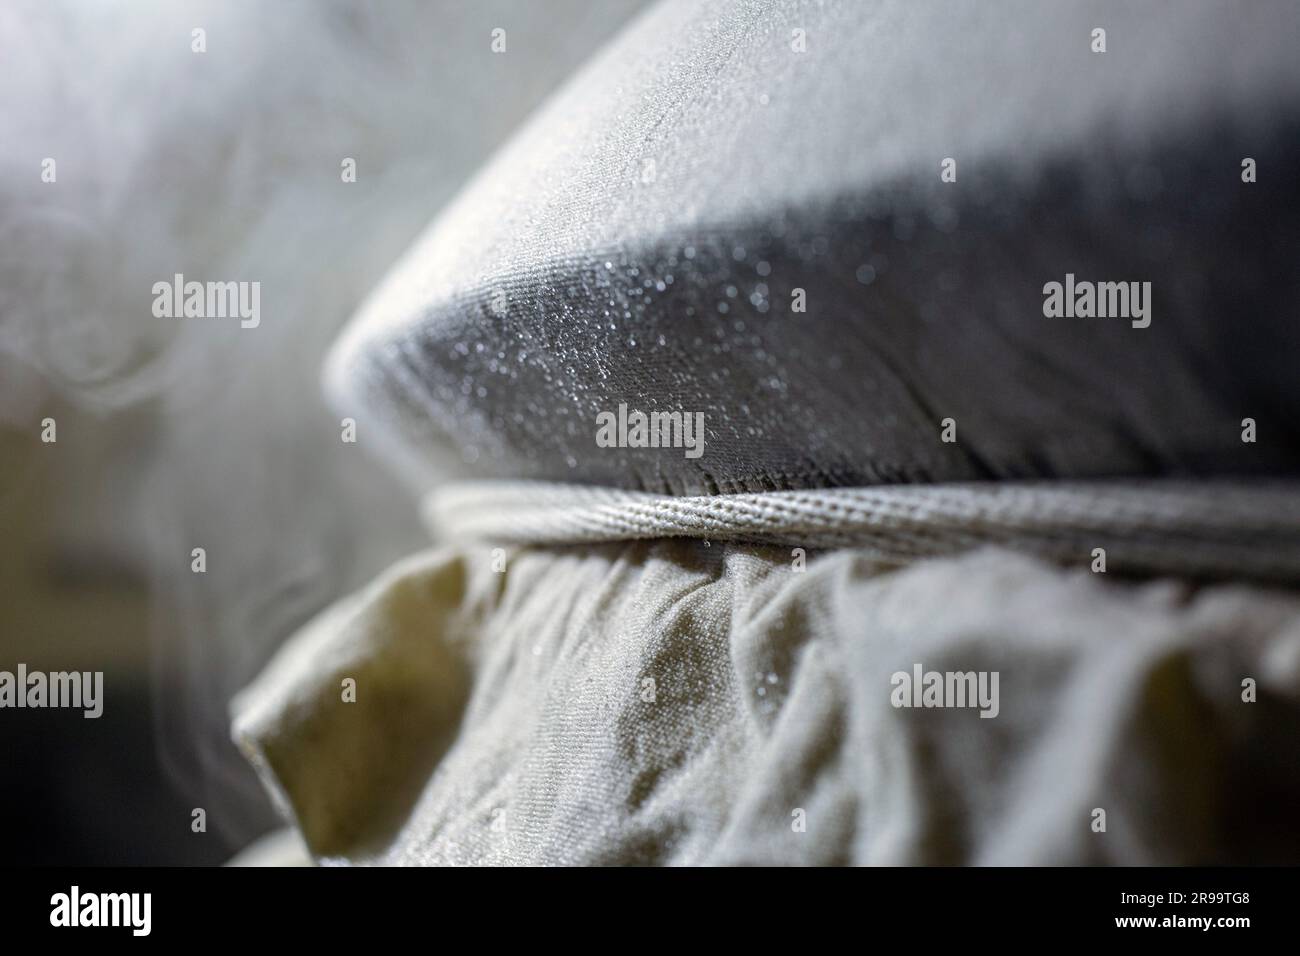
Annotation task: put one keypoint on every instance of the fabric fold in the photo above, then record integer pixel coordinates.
(356, 709)
(693, 702)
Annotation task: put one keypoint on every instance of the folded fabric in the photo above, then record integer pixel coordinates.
(690, 701)
(763, 296)
(831, 228)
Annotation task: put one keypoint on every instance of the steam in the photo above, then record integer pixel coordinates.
(225, 166)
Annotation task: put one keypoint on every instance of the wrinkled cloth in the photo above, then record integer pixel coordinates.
(609, 684)
(677, 702)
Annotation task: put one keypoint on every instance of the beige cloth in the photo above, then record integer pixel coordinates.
(508, 716)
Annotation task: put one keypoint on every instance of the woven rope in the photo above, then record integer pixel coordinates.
(1218, 529)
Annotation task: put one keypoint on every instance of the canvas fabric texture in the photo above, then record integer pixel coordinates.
(639, 671)
(701, 701)
(641, 239)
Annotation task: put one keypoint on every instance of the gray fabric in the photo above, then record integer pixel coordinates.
(567, 278)
(1211, 529)
(504, 717)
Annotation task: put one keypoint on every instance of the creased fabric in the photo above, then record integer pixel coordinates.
(684, 702)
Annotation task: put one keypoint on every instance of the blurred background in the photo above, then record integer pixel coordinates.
(172, 434)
